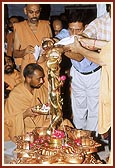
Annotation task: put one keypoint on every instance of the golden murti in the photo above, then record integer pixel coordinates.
(58, 143)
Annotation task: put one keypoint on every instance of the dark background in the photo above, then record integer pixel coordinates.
(51, 10)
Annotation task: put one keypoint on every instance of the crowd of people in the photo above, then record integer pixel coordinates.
(86, 63)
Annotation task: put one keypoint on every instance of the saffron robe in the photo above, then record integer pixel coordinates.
(12, 79)
(105, 101)
(10, 43)
(27, 37)
(16, 104)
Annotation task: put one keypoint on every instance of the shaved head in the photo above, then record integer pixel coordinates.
(33, 12)
(57, 26)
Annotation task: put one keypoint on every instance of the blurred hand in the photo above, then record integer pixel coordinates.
(29, 113)
(88, 43)
(73, 46)
(29, 50)
(72, 50)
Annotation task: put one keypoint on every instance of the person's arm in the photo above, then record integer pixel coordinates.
(91, 55)
(92, 44)
(76, 56)
(29, 113)
(17, 53)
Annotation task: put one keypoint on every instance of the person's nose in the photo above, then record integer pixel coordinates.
(74, 32)
(34, 14)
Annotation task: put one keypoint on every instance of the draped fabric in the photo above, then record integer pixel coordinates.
(105, 101)
(12, 79)
(27, 37)
(16, 104)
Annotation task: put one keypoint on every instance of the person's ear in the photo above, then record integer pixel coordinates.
(86, 26)
(25, 10)
(28, 79)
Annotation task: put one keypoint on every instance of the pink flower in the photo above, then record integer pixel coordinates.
(78, 141)
(63, 78)
(58, 134)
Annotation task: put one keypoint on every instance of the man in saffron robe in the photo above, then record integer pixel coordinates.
(28, 34)
(18, 115)
(11, 74)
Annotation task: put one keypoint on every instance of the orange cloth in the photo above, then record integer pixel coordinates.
(12, 79)
(16, 104)
(10, 41)
(27, 37)
(104, 121)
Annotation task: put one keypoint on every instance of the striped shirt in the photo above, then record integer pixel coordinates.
(100, 28)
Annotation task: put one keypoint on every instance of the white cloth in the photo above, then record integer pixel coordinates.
(66, 41)
(9, 147)
(101, 9)
(85, 94)
(37, 52)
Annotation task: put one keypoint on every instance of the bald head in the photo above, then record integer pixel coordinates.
(33, 12)
(30, 5)
(57, 26)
